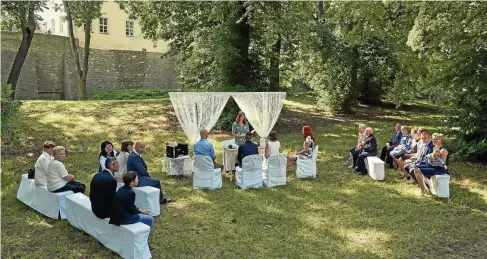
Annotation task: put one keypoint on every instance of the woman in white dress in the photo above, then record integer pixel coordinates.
(272, 146)
(123, 157)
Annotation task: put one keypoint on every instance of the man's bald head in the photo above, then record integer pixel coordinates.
(204, 133)
(139, 147)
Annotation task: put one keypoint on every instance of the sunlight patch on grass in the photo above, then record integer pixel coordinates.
(368, 239)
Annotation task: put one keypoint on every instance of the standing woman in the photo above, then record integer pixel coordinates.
(106, 151)
(122, 157)
(239, 128)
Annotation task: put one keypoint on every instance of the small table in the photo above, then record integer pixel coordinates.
(182, 165)
(230, 157)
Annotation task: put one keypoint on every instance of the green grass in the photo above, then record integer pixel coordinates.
(336, 215)
(129, 94)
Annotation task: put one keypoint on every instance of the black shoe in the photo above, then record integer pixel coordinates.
(166, 201)
(361, 173)
(150, 248)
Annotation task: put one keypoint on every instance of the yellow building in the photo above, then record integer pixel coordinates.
(113, 30)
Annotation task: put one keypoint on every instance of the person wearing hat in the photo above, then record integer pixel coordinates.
(248, 148)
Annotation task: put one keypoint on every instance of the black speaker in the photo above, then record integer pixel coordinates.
(182, 149)
(171, 151)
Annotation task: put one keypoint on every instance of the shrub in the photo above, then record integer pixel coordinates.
(10, 109)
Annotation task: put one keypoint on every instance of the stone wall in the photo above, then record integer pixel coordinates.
(49, 72)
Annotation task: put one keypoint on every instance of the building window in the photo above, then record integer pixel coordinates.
(103, 25)
(129, 28)
(53, 26)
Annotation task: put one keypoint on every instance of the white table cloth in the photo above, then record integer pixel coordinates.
(230, 157)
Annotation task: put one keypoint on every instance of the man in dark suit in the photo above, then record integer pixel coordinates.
(395, 141)
(247, 149)
(136, 163)
(103, 187)
(369, 148)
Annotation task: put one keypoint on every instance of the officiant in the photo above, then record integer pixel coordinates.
(239, 128)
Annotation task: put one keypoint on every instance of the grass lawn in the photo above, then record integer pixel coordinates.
(336, 215)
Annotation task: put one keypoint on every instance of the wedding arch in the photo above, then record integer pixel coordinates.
(201, 110)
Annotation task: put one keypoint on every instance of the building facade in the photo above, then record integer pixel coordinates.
(113, 30)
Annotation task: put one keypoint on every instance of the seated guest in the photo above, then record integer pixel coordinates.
(396, 139)
(106, 151)
(123, 209)
(204, 148)
(102, 189)
(360, 141)
(247, 149)
(437, 163)
(405, 146)
(369, 148)
(123, 157)
(426, 148)
(410, 157)
(273, 146)
(58, 179)
(136, 163)
(308, 145)
(239, 128)
(40, 176)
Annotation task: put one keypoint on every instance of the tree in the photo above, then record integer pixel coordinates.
(81, 13)
(451, 41)
(22, 14)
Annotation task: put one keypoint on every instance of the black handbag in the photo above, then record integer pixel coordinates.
(31, 173)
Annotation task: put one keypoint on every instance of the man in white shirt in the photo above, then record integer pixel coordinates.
(42, 163)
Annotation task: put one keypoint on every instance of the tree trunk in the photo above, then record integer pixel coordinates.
(243, 67)
(321, 11)
(352, 96)
(274, 65)
(74, 48)
(27, 35)
(82, 82)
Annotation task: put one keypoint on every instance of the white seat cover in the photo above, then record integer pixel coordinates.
(205, 175)
(250, 175)
(129, 241)
(40, 199)
(274, 171)
(306, 168)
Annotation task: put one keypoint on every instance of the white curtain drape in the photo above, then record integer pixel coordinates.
(197, 111)
(261, 109)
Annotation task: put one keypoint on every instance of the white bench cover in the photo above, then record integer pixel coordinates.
(205, 176)
(375, 167)
(146, 198)
(306, 168)
(439, 185)
(274, 171)
(129, 241)
(250, 175)
(40, 199)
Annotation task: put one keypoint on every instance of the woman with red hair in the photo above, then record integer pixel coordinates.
(239, 128)
(308, 145)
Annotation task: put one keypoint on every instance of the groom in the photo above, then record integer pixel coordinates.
(136, 163)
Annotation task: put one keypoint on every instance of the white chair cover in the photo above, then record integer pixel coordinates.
(129, 241)
(146, 198)
(306, 168)
(40, 199)
(250, 175)
(274, 171)
(205, 175)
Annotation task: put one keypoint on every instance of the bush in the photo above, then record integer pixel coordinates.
(132, 94)
(10, 109)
